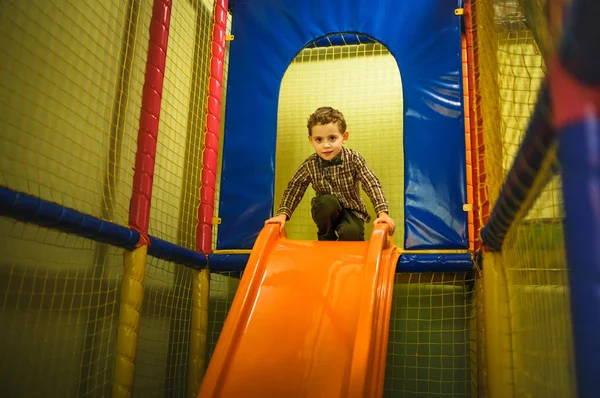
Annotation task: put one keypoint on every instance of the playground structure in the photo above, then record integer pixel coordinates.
(145, 142)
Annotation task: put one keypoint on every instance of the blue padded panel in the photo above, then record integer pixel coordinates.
(423, 36)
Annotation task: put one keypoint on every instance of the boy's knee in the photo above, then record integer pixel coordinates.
(351, 232)
(326, 206)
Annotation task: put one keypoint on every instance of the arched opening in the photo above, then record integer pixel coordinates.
(360, 77)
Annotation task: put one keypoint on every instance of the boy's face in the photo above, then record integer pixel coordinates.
(327, 140)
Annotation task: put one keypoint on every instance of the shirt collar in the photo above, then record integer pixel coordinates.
(335, 161)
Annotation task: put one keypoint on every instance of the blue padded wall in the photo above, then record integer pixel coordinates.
(423, 36)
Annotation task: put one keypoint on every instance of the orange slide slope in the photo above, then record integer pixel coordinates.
(310, 319)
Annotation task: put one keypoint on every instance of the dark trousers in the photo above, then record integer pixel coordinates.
(332, 218)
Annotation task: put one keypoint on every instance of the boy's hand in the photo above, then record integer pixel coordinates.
(384, 218)
(279, 219)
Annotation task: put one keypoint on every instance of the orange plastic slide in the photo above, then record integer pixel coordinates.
(310, 319)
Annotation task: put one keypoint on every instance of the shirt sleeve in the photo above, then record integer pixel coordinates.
(294, 191)
(371, 185)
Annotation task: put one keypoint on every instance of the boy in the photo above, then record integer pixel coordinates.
(334, 172)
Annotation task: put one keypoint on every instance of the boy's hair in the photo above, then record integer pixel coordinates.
(326, 115)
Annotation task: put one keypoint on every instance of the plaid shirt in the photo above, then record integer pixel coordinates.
(340, 180)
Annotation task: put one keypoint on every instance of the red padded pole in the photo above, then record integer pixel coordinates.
(481, 205)
(139, 206)
(211, 135)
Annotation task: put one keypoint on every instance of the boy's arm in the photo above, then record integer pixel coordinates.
(371, 185)
(294, 191)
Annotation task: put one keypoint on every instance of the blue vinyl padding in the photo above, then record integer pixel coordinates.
(406, 262)
(539, 138)
(435, 263)
(170, 252)
(29, 209)
(579, 153)
(425, 39)
(227, 262)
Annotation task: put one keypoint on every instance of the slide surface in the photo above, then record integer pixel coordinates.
(309, 319)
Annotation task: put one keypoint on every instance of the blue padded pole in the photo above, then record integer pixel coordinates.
(406, 262)
(580, 158)
(575, 84)
(33, 210)
(30, 209)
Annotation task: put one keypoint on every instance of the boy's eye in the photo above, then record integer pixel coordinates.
(332, 138)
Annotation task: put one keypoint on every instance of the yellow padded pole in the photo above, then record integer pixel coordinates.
(498, 339)
(130, 307)
(199, 331)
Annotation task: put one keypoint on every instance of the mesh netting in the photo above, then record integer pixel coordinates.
(70, 115)
(71, 92)
(432, 346)
(430, 350)
(164, 336)
(223, 288)
(58, 310)
(173, 216)
(70, 87)
(512, 68)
